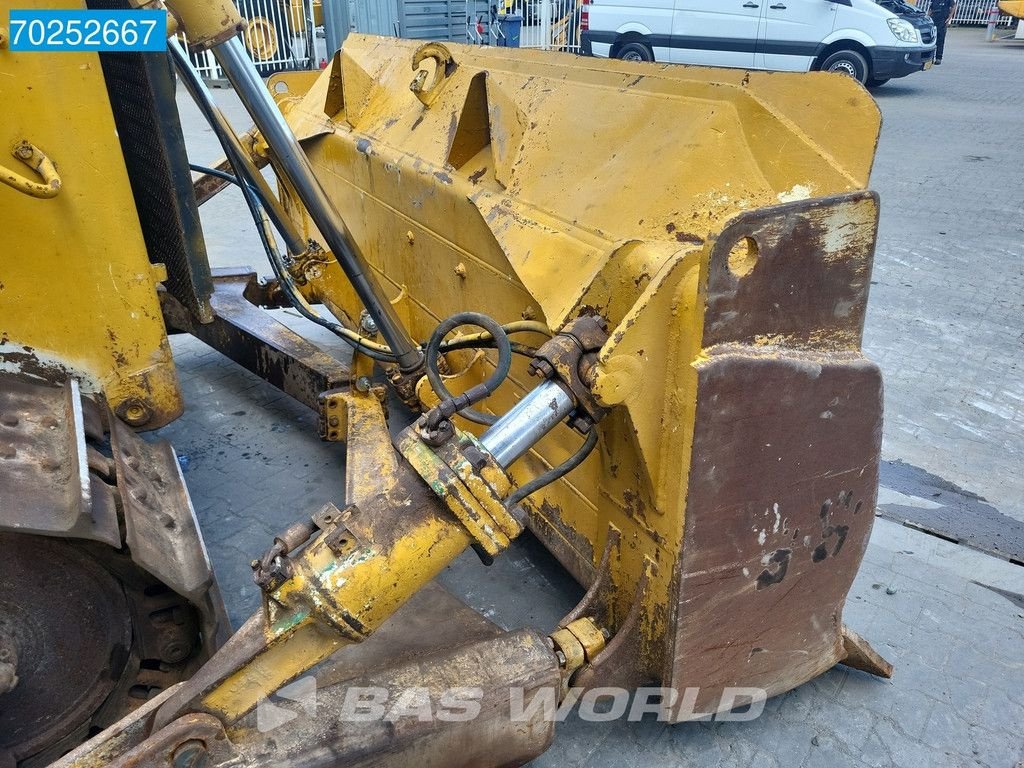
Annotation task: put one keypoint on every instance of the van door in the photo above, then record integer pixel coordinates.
(792, 31)
(716, 32)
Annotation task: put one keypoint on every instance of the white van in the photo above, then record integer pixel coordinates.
(871, 41)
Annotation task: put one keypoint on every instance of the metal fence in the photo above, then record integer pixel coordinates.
(971, 12)
(282, 35)
(550, 25)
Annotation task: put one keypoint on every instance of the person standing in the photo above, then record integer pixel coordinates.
(941, 12)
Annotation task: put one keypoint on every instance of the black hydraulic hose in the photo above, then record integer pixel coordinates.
(213, 172)
(296, 299)
(517, 348)
(555, 473)
(480, 391)
(449, 346)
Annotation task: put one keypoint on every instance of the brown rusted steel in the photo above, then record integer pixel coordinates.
(69, 621)
(119, 738)
(191, 741)
(207, 186)
(154, 492)
(860, 655)
(256, 341)
(434, 642)
(144, 610)
(45, 483)
(784, 467)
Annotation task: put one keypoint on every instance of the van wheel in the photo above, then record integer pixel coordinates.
(635, 52)
(877, 82)
(847, 63)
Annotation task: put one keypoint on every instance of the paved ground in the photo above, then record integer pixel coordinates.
(945, 319)
(947, 326)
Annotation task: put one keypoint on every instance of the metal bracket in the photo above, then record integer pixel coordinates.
(34, 158)
(570, 357)
(470, 482)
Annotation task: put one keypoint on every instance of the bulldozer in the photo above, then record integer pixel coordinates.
(617, 305)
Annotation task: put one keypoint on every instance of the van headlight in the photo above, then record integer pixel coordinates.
(903, 30)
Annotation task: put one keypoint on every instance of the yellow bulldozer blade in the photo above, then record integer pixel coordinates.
(717, 220)
(1013, 8)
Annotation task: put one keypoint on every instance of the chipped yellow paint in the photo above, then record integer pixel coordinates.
(542, 186)
(339, 596)
(77, 291)
(207, 22)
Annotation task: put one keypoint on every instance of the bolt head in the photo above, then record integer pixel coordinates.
(367, 323)
(135, 413)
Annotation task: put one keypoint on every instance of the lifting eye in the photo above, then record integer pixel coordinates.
(34, 158)
(444, 66)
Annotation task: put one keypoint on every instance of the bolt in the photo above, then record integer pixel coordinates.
(191, 754)
(460, 270)
(134, 412)
(254, 564)
(23, 151)
(363, 384)
(333, 421)
(174, 651)
(3, 37)
(367, 323)
(528, 314)
(410, 237)
(561, 658)
(543, 368)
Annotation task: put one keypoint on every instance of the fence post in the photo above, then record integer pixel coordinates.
(545, 24)
(993, 21)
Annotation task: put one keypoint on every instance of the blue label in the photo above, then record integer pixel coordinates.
(49, 30)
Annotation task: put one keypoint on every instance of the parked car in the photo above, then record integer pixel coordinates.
(870, 41)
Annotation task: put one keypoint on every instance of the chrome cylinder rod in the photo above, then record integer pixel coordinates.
(291, 162)
(236, 154)
(532, 417)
